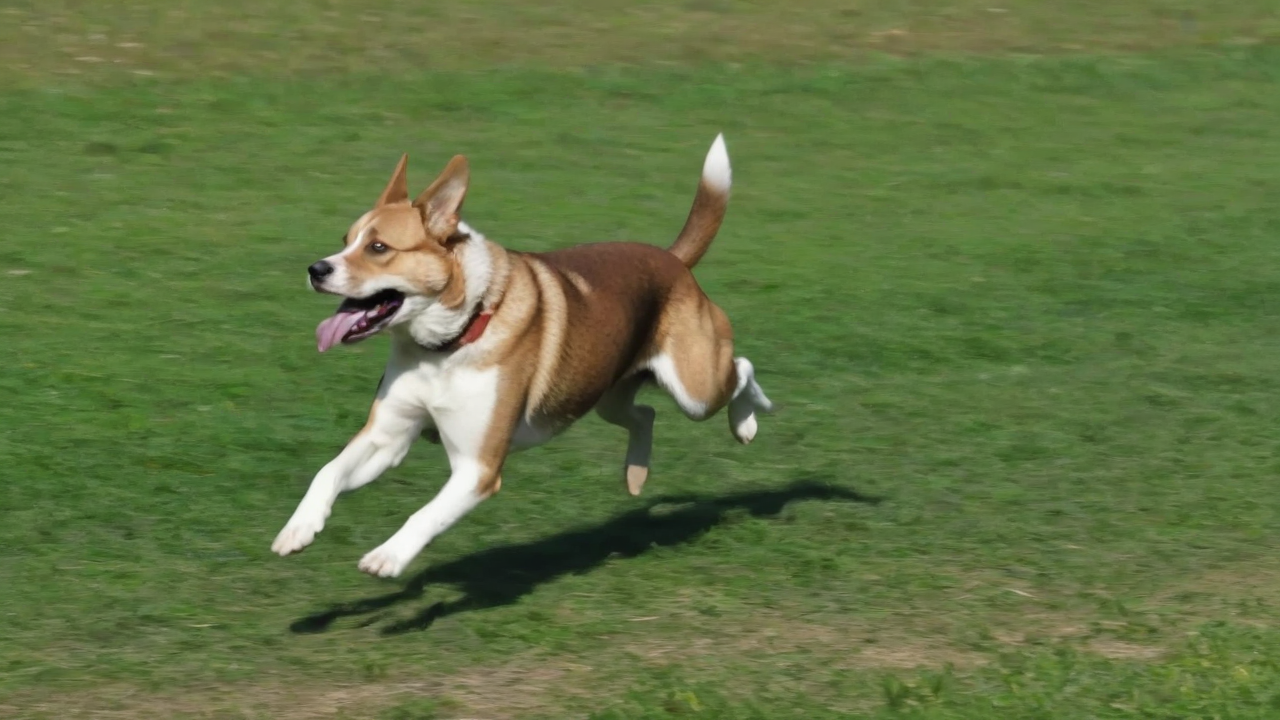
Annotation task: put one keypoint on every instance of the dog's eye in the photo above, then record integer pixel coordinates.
(377, 247)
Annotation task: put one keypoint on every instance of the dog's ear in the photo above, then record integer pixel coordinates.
(397, 189)
(441, 202)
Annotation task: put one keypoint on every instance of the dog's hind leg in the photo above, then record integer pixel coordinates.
(747, 399)
(695, 364)
(618, 408)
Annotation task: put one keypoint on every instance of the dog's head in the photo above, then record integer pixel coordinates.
(398, 260)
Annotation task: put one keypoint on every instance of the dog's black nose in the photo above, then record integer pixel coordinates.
(321, 270)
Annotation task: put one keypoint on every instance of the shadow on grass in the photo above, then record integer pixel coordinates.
(502, 575)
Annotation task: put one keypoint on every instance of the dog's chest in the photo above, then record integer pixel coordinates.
(443, 390)
(462, 400)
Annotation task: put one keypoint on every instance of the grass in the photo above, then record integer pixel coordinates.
(1020, 312)
(181, 38)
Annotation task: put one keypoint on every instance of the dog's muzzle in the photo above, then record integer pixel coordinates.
(319, 271)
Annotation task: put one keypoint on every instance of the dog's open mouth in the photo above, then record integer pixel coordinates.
(358, 318)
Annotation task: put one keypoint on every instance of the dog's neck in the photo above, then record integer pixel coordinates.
(484, 267)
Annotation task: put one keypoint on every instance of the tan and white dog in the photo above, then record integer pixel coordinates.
(494, 350)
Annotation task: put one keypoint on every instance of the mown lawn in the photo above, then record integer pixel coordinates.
(1012, 272)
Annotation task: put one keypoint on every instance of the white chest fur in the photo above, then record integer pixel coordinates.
(458, 400)
(439, 386)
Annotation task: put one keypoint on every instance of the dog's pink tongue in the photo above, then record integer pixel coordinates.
(331, 330)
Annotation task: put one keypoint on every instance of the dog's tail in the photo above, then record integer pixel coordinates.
(708, 206)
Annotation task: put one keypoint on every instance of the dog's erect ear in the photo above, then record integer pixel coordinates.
(440, 202)
(397, 189)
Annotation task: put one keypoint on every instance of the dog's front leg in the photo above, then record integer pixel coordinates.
(477, 439)
(380, 445)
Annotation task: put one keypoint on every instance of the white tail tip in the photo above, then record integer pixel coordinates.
(715, 171)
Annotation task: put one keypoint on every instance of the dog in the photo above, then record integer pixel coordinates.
(494, 350)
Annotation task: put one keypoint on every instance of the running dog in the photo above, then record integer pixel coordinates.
(494, 350)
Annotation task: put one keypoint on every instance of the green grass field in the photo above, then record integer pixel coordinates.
(1012, 268)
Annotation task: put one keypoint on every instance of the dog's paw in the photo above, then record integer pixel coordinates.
(636, 477)
(385, 561)
(745, 429)
(297, 535)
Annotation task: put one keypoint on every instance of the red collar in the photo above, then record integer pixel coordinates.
(471, 333)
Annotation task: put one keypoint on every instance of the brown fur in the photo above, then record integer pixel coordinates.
(611, 333)
(701, 226)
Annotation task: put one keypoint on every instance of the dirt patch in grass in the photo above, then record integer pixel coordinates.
(1116, 650)
(278, 699)
(909, 655)
(507, 691)
(771, 636)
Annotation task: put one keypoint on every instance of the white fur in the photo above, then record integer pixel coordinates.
(664, 371)
(716, 172)
(748, 397)
(339, 279)
(355, 246)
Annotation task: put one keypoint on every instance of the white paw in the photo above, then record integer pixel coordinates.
(385, 561)
(745, 429)
(297, 534)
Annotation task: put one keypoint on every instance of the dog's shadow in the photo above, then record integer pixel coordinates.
(502, 575)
